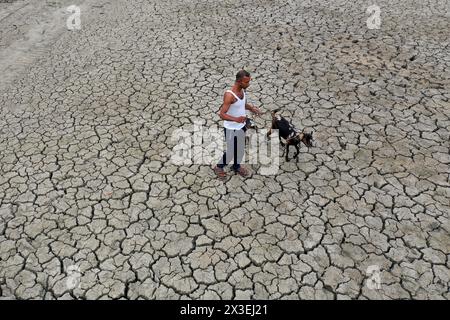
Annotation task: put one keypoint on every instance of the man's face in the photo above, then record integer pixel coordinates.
(245, 82)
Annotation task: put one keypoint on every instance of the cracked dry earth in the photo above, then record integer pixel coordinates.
(86, 123)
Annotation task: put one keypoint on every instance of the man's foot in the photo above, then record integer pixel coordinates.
(242, 171)
(221, 174)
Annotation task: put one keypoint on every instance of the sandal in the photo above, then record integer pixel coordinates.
(220, 172)
(242, 172)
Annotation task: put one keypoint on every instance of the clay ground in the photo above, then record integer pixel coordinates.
(92, 207)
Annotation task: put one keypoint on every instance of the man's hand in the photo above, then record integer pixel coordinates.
(241, 119)
(256, 111)
(253, 109)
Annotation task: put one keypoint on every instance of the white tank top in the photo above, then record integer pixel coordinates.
(236, 109)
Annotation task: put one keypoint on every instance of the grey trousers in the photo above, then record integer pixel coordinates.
(235, 140)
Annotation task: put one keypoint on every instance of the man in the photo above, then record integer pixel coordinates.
(233, 114)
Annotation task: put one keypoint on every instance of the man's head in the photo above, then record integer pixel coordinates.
(243, 79)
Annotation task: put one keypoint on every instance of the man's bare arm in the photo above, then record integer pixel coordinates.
(252, 108)
(227, 101)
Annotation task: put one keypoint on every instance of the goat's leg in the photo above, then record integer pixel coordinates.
(298, 151)
(287, 152)
(283, 145)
